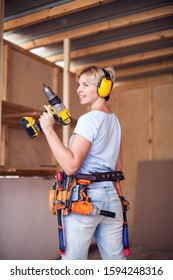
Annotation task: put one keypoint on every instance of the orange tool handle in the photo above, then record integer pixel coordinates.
(82, 207)
(83, 182)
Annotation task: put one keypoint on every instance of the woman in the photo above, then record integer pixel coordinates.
(95, 146)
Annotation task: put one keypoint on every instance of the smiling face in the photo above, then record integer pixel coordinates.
(86, 91)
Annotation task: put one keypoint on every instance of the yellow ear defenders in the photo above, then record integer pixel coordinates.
(105, 85)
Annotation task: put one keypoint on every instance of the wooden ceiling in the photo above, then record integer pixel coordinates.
(136, 37)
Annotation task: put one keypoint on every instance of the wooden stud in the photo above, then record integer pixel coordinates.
(150, 124)
(1, 67)
(66, 81)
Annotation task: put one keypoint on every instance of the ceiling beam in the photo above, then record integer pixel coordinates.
(50, 13)
(129, 59)
(144, 69)
(151, 37)
(102, 26)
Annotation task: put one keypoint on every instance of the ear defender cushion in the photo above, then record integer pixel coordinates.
(105, 85)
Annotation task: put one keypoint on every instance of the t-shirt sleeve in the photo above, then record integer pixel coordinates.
(87, 126)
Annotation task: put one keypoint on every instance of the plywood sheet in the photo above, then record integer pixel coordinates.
(153, 227)
(163, 121)
(24, 151)
(28, 228)
(26, 78)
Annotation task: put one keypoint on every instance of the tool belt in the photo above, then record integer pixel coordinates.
(60, 196)
(101, 176)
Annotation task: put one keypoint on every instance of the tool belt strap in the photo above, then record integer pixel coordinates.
(101, 176)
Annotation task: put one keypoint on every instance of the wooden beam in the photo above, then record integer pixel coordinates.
(150, 123)
(161, 79)
(11, 115)
(11, 108)
(20, 115)
(151, 37)
(144, 69)
(6, 64)
(29, 54)
(5, 97)
(1, 87)
(130, 58)
(50, 13)
(66, 86)
(102, 26)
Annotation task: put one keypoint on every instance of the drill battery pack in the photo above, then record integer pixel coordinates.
(31, 127)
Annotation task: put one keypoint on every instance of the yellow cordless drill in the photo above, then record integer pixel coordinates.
(59, 111)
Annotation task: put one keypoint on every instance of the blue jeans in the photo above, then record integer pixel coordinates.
(79, 229)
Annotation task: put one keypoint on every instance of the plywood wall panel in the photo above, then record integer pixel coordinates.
(26, 78)
(163, 121)
(145, 111)
(28, 228)
(24, 151)
(153, 228)
(133, 116)
(26, 75)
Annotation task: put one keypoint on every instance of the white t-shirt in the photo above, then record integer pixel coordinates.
(104, 132)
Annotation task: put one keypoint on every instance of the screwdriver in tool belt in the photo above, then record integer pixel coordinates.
(59, 178)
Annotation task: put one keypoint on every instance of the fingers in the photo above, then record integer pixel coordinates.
(48, 111)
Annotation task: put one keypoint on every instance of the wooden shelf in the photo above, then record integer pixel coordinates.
(21, 171)
(12, 113)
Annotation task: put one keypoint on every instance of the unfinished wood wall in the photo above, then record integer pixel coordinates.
(145, 111)
(23, 83)
(23, 78)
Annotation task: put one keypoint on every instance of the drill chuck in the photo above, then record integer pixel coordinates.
(48, 92)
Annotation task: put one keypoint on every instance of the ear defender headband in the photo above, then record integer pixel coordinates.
(105, 85)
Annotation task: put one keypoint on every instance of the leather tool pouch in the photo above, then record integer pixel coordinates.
(51, 198)
(58, 200)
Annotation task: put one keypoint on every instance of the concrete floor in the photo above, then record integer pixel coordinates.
(135, 254)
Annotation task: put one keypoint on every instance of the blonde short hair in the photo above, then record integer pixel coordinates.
(94, 75)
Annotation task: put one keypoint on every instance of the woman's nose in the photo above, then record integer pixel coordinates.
(79, 89)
